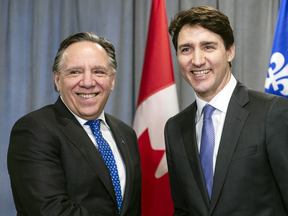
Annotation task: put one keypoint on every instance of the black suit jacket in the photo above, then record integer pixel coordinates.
(55, 168)
(251, 170)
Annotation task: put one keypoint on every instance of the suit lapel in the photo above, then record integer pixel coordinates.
(78, 137)
(190, 142)
(234, 122)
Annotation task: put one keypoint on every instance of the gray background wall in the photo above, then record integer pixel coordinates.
(31, 31)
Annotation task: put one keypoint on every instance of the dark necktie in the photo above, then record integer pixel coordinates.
(108, 157)
(207, 147)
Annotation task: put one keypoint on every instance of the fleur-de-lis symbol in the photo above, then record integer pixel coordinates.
(276, 75)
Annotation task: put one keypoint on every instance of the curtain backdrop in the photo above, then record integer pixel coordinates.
(31, 31)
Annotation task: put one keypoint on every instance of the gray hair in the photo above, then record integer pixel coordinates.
(85, 36)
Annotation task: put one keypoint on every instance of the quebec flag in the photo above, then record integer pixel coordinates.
(277, 76)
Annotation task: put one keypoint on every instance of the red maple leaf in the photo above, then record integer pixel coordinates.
(156, 196)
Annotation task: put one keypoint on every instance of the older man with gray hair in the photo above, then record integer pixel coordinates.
(71, 158)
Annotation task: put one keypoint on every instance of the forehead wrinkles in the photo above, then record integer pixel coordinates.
(93, 67)
(86, 54)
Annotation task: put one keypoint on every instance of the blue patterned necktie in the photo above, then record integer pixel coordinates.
(207, 147)
(108, 157)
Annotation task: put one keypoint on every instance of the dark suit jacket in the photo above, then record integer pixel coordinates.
(55, 168)
(251, 173)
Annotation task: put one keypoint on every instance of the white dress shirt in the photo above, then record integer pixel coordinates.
(108, 136)
(220, 102)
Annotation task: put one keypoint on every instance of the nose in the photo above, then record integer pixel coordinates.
(198, 58)
(87, 80)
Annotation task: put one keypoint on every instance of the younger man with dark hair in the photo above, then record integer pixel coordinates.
(227, 152)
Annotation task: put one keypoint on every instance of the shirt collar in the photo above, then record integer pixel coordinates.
(221, 100)
(83, 121)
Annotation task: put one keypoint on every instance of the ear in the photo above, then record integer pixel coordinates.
(57, 80)
(112, 81)
(231, 53)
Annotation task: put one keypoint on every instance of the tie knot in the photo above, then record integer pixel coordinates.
(208, 111)
(94, 125)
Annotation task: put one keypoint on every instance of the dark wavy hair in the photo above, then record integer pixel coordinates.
(205, 16)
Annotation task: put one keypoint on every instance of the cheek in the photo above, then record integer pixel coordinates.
(218, 62)
(181, 62)
(104, 84)
(184, 62)
(184, 75)
(68, 85)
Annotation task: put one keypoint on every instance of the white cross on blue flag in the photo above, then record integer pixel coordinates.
(277, 76)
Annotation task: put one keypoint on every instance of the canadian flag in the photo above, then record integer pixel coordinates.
(157, 102)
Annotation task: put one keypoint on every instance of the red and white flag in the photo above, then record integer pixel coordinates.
(156, 103)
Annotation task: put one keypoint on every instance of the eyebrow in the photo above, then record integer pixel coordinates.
(201, 43)
(185, 45)
(73, 68)
(209, 43)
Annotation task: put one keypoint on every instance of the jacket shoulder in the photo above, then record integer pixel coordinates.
(263, 99)
(181, 115)
(117, 122)
(41, 114)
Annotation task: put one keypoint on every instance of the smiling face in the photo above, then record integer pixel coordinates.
(203, 60)
(85, 80)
